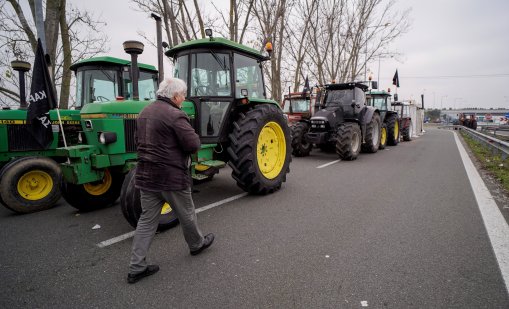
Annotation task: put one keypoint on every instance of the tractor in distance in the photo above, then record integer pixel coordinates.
(227, 105)
(469, 121)
(404, 110)
(345, 123)
(298, 108)
(30, 175)
(390, 132)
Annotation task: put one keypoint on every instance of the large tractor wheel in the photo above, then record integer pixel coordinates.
(301, 147)
(372, 138)
(131, 205)
(383, 137)
(393, 130)
(96, 195)
(349, 141)
(260, 149)
(30, 184)
(407, 132)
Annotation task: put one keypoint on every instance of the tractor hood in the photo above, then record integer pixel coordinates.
(330, 114)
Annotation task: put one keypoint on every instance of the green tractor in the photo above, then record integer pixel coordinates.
(30, 175)
(390, 132)
(237, 125)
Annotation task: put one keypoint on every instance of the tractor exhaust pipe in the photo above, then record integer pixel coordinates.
(160, 67)
(22, 67)
(134, 48)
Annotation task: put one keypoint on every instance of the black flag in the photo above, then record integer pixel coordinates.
(42, 98)
(306, 85)
(395, 79)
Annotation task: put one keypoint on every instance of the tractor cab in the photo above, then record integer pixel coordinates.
(223, 78)
(379, 99)
(105, 79)
(298, 106)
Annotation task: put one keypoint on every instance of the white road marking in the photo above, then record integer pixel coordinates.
(327, 164)
(120, 238)
(494, 222)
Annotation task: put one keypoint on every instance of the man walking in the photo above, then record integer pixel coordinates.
(165, 140)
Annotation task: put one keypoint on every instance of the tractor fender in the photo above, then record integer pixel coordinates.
(367, 114)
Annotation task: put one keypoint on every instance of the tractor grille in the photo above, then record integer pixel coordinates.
(71, 135)
(129, 131)
(20, 138)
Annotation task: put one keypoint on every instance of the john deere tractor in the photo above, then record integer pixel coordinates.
(227, 105)
(345, 123)
(390, 133)
(30, 175)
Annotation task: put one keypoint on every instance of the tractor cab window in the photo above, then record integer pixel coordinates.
(379, 102)
(97, 85)
(147, 85)
(298, 105)
(248, 75)
(210, 75)
(180, 68)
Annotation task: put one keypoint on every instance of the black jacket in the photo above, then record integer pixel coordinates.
(165, 139)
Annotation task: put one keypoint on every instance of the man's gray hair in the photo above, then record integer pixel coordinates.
(170, 87)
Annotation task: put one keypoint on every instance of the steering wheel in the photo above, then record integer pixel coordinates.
(201, 90)
(102, 99)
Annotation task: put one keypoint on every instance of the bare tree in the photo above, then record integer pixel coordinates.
(79, 38)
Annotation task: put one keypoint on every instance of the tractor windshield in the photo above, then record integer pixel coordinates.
(95, 85)
(339, 97)
(147, 85)
(298, 105)
(102, 85)
(248, 76)
(210, 74)
(378, 102)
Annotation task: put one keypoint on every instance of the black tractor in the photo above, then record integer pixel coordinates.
(345, 123)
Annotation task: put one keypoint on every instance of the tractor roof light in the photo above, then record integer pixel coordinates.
(268, 48)
(208, 32)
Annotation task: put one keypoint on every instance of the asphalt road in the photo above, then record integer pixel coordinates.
(395, 229)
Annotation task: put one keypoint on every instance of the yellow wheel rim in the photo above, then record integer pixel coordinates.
(166, 209)
(99, 187)
(35, 185)
(201, 167)
(271, 150)
(383, 136)
(396, 130)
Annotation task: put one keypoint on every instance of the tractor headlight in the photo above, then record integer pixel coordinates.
(107, 137)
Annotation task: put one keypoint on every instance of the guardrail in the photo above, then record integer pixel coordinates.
(494, 144)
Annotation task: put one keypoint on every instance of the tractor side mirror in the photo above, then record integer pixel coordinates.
(244, 92)
(374, 85)
(395, 97)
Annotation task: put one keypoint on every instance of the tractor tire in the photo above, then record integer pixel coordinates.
(92, 196)
(383, 137)
(407, 132)
(131, 205)
(260, 149)
(301, 147)
(372, 138)
(349, 141)
(392, 130)
(30, 184)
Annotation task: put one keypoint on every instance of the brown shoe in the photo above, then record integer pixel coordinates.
(208, 240)
(150, 270)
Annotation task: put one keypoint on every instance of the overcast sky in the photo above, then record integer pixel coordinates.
(456, 52)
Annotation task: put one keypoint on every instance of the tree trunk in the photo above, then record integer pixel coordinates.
(66, 71)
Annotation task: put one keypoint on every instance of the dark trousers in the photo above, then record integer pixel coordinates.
(151, 203)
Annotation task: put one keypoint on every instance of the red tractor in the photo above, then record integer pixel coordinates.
(299, 107)
(469, 121)
(405, 119)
